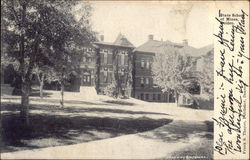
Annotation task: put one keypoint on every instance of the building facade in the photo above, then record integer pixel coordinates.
(129, 70)
(144, 87)
(88, 66)
(106, 63)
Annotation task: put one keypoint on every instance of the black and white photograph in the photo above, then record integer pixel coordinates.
(112, 79)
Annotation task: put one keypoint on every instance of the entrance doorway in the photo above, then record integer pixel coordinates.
(86, 79)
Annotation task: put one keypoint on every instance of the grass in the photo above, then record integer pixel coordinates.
(54, 126)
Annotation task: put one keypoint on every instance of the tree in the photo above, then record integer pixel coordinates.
(169, 70)
(44, 73)
(35, 28)
(206, 76)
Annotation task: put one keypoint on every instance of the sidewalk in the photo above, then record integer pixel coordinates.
(158, 143)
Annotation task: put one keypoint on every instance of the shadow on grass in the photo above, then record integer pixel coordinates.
(119, 102)
(55, 130)
(36, 93)
(180, 131)
(15, 107)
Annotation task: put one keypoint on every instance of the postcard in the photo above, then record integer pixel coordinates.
(125, 79)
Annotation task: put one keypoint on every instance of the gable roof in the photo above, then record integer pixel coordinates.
(121, 41)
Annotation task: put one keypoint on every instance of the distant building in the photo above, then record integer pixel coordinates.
(143, 86)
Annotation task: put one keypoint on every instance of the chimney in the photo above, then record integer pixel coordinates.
(101, 38)
(185, 42)
(150, 37)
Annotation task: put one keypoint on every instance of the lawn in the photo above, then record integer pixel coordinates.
(83, 120)
(51, 125)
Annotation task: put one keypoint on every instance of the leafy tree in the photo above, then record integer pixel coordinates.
(44, 73)
(169, 70)
(206, 76)
(34, 30)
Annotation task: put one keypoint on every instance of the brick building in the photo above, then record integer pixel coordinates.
(105, 63)
(143, 85)
(88, 66)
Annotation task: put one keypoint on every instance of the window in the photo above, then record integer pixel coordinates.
(142, 82)
(105, 58)
(109, 78)
(89, 60)
(122, 59)
(88, 78)
(153, 96)
(142, 96)
(110, 58)
(105, 76)
(147, 64)
(84, 59)
(142, 63)
(159, 97)
(84, 78)
(125, 59)
(147, 96)
(147, 80)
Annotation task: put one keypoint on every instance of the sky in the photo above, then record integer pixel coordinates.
(174, 21)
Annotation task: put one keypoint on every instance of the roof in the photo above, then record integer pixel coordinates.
(204, 50)
(189, 51)
(154, 46)
(121, 41)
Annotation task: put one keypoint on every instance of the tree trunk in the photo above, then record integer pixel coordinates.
(41, 86)
(176, 97)
(201, 89)
(25, 103)
(25, 86)
(62, 95)
(41, 90)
